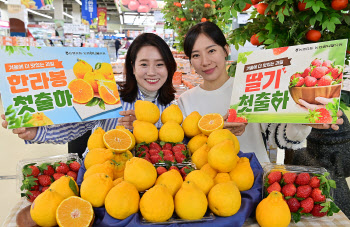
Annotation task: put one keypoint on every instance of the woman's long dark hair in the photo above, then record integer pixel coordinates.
(207, 28)
(128, 91)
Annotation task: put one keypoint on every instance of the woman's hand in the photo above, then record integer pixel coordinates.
(236, 128)
(23, 133)
(128, 119)
(324, 102)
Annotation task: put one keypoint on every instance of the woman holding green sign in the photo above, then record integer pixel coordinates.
(207, 48)
(149, 68)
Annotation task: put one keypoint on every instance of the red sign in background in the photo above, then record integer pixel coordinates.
(102, 19)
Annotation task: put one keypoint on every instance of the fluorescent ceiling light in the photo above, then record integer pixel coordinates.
(39, 14)
(78, 1)
(67, 15)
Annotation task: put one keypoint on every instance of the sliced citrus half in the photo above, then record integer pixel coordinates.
(210, 122)
(74, 211)
(108, 91)
(81, 90)
(118, 140)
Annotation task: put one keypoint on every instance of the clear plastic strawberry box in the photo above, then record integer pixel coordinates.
(38, 161)
(269, 167)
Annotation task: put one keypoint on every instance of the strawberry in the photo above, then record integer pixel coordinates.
(167, 146)
(289, 178)
(289, 190)
(62, 168)
(310, 81)
(327, 63)
(31, 195)
(274, 187)
(174, 167)
(278, 51)
(169, 158)
(316, 195)
(31, 170)
(340, 76)
(302, 179)
(307, 205)
(319, 72)
(336, 71)
(232, 114)
(179, 157)
(44, 180)
(316, 62)
(181, 146)
(35, 187)
(49, 170)
(314, 182)
(304, 191)
(325, 81)
(44, 188)
(155, 146)
(167, 152)
(144, 154)
(57, 176)
(74, 166)
(143, 148)
(155, 158)
(320, 115)
(153, 152)
(241, 119)
(161, 170)
(296, 80)
(274, 177)
(316, 211)
(306, 72)
(293, 204)
(73, 174)
(182, 170)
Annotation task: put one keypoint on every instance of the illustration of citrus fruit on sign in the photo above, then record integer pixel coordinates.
(81, 90)
(105, 69)
(40, 119)
(74, 211)
(118, 140)
(210, 122)
(81, 68)
(92, 78)
(108, 91)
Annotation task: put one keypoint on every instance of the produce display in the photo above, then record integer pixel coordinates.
(152, 172)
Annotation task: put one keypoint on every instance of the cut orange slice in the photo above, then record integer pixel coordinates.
(118, 140)
(210, 122)
(81, 90)
(74, 211)
(108, 91)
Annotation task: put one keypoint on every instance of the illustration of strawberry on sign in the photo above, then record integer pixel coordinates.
(296, 84)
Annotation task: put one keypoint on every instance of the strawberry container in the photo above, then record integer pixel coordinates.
(39, 161)
(312, 171)
(146, 151)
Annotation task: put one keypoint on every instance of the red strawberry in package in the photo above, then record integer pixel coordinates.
(306, 193)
